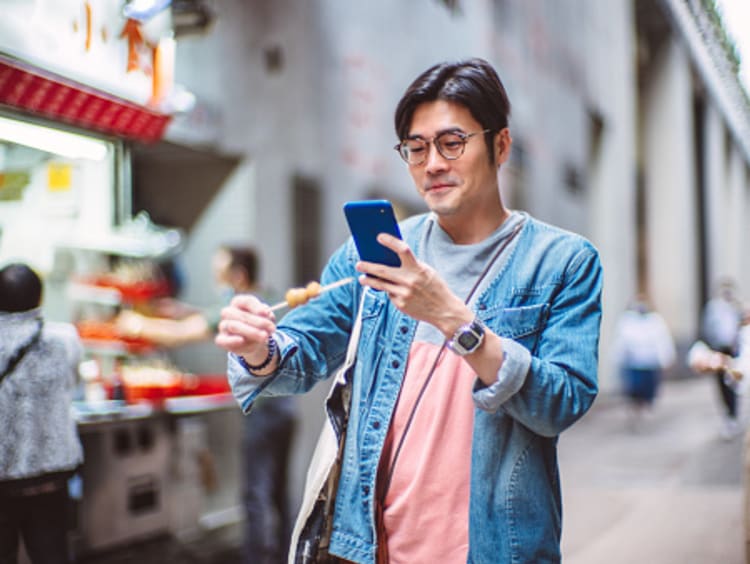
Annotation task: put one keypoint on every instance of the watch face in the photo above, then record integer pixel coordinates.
(468, 340)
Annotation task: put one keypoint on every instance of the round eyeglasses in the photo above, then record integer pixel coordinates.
(450, 145)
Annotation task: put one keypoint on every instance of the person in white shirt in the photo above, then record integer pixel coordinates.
(643, 348)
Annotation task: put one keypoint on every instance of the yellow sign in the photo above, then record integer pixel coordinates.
(59, 177)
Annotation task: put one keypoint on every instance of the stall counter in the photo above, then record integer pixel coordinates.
(156, 468)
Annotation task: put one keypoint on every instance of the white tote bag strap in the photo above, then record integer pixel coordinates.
(326, 449)
(351, 350)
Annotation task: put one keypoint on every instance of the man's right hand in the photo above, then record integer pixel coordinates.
(246, 323)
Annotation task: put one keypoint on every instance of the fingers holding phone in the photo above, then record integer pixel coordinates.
(407, 260)
(390, 265)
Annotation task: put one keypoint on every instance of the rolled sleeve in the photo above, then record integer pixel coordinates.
(246, 387)
(510, 378)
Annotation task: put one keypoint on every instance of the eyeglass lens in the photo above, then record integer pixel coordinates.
(449, 144)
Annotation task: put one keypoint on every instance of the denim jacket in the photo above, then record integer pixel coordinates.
(546, 305)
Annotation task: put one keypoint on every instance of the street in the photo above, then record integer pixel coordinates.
(666, 490)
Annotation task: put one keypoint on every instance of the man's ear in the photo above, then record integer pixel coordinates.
(503, 142)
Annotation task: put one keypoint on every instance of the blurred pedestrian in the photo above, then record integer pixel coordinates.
(643, 349)
(267, 432)
(720, 330)
(39, 445)
(742, 362)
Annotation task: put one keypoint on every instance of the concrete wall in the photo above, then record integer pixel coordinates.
(714, 211)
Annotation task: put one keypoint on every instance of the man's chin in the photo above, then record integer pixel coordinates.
(441, 208)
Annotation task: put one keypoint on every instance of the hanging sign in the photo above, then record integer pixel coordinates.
(61, 99)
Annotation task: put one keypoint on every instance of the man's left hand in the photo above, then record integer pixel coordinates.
(415, 288)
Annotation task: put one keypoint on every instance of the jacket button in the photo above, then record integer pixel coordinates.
(376, 425)
(403, 329)
(482, 306)
(395, 364)
(365, 490)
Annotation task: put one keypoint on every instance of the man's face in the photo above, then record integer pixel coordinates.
(466, 184)
(220, 266)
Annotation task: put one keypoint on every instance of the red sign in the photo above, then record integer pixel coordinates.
(44, 94)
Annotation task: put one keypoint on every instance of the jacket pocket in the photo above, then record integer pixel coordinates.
(522, 324)
(373, 304)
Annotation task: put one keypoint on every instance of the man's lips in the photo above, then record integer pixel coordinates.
(438, 186)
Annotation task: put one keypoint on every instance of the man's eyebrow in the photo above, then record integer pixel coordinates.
(455, 129)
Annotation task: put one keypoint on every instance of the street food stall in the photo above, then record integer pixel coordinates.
(80, 83)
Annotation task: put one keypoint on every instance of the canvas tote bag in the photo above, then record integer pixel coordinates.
(312, 529)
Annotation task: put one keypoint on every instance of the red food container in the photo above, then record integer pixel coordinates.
(204, 384)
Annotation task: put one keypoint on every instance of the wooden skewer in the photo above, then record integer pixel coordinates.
(735, 374)
(325, 288)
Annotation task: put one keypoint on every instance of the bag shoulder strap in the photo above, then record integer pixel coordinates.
(351, 349)
(21, 352)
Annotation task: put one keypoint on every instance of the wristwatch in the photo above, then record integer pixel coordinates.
(468, 338)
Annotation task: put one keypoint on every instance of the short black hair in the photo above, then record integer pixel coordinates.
(473, 83)
(20, 288)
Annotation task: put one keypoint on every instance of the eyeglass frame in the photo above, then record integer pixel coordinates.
(464, 138)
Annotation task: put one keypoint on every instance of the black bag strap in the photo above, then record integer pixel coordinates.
(18, 355)
(389, 475)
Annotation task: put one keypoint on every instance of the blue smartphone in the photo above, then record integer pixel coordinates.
(366, 219)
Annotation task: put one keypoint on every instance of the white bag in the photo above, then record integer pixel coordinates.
(326, 449)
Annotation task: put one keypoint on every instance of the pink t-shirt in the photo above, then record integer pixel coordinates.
(426, 511)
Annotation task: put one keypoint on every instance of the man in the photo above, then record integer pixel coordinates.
(267, 434)
(475, 478)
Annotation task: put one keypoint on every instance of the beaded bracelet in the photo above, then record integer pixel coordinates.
(272, 348)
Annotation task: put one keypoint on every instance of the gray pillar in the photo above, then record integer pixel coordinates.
(670, 184)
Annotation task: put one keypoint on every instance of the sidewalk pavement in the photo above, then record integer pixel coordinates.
(665, 489)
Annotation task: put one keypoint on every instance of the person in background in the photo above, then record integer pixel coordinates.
(642, 349)
(720, 331)
(474, 355)
(735, 369)
(39, 445)
(267, 433)
(742, 361)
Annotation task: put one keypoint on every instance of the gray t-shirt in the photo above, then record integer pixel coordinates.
(461, 265)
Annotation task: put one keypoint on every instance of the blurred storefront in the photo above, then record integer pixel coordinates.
(83, 86)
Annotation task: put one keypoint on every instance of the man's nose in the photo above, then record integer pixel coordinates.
(435, 161)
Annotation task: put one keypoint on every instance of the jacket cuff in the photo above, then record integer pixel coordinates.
(510, 378)
(246, 387)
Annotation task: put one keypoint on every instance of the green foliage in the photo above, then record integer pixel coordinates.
(727, 43)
